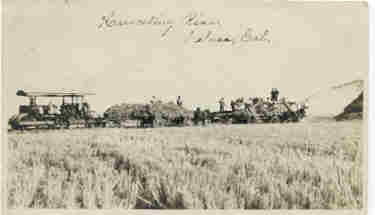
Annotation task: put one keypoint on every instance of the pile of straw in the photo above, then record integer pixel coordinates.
(167, 111)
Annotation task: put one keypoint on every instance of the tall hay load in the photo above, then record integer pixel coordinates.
(166, 114)
(122, 112)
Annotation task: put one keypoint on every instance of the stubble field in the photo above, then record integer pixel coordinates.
(264, 166)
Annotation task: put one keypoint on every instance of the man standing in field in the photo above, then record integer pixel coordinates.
(221, 104)
(274, 94)
(179, 101)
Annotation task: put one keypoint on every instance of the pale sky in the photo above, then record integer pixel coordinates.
(56, 45)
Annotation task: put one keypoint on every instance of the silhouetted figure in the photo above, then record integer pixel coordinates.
(233, 105)
(199, 116)
(221, 104)
(179, 101)
(274, 94)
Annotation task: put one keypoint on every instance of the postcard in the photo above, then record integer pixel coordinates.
(207, 106)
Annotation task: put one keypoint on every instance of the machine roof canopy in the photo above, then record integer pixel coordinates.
(53, 93)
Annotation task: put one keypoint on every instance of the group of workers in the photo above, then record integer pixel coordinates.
(77, 110)
(274, 97)
(155, 100)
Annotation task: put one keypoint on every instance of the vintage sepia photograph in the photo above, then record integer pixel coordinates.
(184, 105)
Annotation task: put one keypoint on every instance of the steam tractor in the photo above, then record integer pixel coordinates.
(74, 111)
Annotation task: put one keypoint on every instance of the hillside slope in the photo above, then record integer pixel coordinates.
(331, 101)
(352, 111)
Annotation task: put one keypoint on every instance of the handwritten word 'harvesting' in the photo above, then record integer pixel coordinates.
(200, 28)
(111, 21)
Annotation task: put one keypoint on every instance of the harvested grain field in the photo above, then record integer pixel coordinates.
(259, 166)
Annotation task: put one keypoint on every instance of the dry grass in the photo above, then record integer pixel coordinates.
(316, 165)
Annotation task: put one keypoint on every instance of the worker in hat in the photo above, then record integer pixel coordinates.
(179, 101)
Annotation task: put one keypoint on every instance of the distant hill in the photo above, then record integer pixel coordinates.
(354, 110)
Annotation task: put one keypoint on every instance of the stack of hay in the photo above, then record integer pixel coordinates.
(170, 110)
(167, 111)
(122, 112)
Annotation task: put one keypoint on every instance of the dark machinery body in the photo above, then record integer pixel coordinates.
(73, 113)
(275, 112)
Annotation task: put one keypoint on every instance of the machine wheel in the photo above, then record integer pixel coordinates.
(18, 127)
